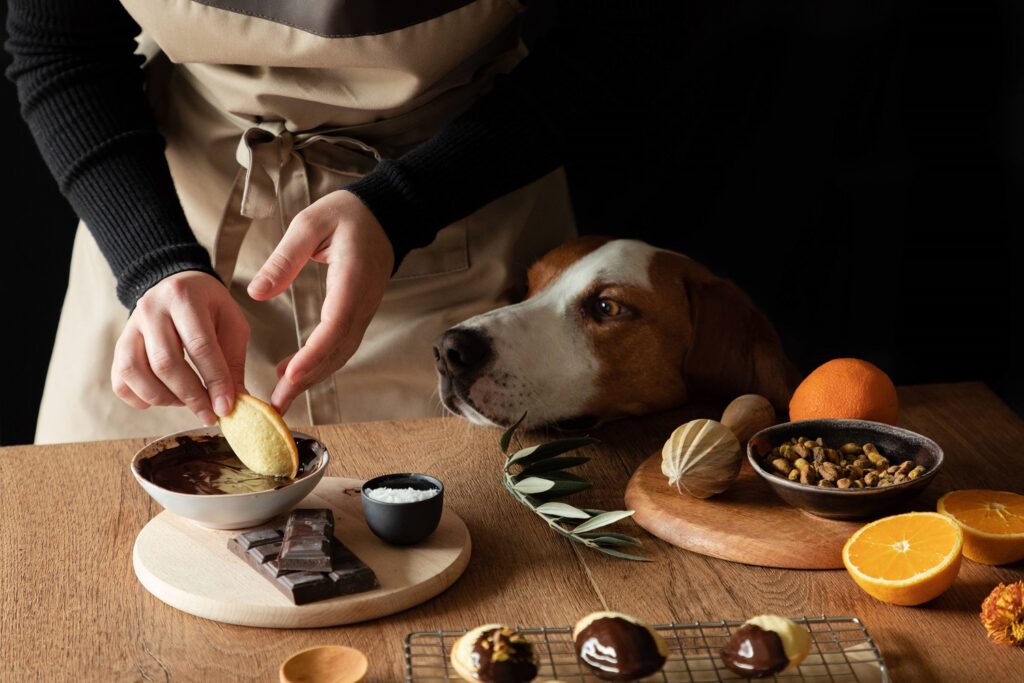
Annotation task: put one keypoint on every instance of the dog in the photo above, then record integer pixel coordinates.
(610, 328)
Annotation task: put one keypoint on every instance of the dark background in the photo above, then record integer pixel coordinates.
(857, 170)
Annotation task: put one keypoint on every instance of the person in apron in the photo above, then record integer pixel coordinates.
(265, 116)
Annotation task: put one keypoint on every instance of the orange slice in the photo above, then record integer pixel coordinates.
(260, 438)
(905, 559)
(992, 521)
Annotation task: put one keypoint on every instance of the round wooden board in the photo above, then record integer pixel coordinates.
(191, 568)
(748, 523)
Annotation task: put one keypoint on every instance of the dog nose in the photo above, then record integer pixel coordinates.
(461, 352)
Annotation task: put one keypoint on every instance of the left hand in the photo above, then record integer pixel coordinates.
(340, 231)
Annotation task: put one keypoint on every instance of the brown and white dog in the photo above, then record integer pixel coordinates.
(611, 328)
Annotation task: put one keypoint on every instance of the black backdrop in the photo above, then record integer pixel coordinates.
(857, 170)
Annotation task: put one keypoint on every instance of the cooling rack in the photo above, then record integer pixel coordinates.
(841, 652)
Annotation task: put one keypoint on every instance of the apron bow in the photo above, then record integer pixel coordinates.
(273, 174)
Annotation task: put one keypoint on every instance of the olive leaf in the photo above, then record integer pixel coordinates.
(620, 554)
(534, 492)
(533, 485)
(610, 538)
(554, 464)
(565, 484)
(561, 510)
(548, 450)
(506, 438)
(603, 520)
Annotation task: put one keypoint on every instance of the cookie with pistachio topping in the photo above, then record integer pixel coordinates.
(494, 653)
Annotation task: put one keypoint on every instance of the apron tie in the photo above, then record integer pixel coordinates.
(273, 175)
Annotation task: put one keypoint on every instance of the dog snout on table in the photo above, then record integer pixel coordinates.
(610, 328)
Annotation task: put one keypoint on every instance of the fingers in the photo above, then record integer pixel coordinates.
(131, 377)
(283, 365)
(199, 337)
(233, 334)
(301, 240)
(167, 359)
(346, 313)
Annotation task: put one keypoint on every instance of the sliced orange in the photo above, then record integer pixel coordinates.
(905, 559)
(992, 521)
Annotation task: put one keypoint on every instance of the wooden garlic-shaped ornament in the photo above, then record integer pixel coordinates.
(704, 457)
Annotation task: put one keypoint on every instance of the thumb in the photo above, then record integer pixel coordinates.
(299, 243)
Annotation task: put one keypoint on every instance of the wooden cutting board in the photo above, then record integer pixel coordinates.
(190, 568)
(748, 523)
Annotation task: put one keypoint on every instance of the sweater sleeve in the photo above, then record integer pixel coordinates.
(82, 94)
(594, 71)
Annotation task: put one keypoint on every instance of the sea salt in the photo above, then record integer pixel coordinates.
(406, 495)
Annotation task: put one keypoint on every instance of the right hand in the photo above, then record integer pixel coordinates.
(188, 312)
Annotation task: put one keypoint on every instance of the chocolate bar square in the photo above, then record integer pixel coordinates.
(259, 537)
(307, 541)
(264, 553)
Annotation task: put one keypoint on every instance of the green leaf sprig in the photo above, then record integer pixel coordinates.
(542, 477)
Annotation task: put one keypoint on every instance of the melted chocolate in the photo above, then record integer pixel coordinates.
(616, 649)
(207, 465)
(503, 656)
(755, 653)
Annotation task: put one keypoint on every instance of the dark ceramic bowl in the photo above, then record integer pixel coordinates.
(895, 443)
(403, 523)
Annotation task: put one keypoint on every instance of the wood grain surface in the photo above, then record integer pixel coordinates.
(72, 609)
(747, 523)
(191, 568)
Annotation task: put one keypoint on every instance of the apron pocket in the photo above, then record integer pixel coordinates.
(448, 253)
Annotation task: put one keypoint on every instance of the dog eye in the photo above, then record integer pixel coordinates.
(609, 308)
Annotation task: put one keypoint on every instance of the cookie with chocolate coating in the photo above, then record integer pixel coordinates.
(618, 647)
(494, 653)
(766, 645)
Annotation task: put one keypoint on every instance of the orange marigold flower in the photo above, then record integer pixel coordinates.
(1002, 613)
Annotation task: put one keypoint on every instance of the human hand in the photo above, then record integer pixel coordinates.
(340, 231)
(188, 312)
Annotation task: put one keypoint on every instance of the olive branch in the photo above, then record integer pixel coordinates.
(542, 477)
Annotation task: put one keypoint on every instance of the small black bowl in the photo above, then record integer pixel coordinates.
(403, 523)
(894, 442)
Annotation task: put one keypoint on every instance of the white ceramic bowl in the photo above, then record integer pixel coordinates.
(228, 510)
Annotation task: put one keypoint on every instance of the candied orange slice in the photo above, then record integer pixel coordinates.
(992, 521)
(905, 559)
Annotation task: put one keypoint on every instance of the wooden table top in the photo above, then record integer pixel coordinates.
(71, 608)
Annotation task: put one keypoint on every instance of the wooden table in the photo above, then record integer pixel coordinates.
(72, 609)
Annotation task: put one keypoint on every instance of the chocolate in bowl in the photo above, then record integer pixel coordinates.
(191, 470)
(206, 465)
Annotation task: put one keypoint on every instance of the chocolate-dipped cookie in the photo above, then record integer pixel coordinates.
(618, 647)
(494, 653)
(765, 645)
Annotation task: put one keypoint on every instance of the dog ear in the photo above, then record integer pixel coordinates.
(544, 271)
(734, 350)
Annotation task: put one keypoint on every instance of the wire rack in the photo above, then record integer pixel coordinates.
(841, 652)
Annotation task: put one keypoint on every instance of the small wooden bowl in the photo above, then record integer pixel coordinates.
(324, 664)
(896, 443)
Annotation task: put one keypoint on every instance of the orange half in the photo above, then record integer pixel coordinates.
(992, 521)
(905, 559)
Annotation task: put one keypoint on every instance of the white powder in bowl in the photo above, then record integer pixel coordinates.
(407, 495)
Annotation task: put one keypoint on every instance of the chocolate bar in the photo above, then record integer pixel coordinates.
(307, 541)
(261, 549)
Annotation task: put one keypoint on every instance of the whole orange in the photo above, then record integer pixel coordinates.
(846, 388)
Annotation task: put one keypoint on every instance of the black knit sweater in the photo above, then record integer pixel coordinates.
(81, 91)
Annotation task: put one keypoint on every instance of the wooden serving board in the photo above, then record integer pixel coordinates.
(748, 523)
(190, 568)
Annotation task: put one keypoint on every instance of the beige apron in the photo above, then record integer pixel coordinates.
(261, 118)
